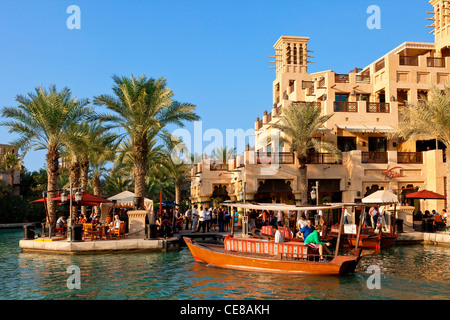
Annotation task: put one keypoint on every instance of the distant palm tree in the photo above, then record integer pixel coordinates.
(115, 182)
(10, 163)
(175, 164)
(429, 118)
(299, 123)
(223, 154)
(41, 120)
(143, 106)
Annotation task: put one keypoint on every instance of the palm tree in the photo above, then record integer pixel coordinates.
(88, 142)
(10, 162)
(143, 106)
(429, 118)
(223, 154)
(176, 166)
(41, 120)
(116, 181)
(299, 123)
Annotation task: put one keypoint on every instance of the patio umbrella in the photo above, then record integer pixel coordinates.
(87, 199)
(168, 204)
(381, 197)
(39, 201)
(425, 194)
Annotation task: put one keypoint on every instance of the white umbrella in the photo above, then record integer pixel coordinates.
(381, 196)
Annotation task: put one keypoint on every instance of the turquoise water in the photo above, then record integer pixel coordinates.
(406, 272)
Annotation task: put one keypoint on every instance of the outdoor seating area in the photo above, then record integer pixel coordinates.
(103, 232)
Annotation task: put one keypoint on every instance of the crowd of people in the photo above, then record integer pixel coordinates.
(426, 215)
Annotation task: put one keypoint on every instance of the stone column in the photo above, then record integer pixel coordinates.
(136, 224)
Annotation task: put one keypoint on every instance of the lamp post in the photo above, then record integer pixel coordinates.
(315, 193)
(78, 196)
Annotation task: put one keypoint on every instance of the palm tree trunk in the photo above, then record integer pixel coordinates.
(97, 186)
(84, 168)
(11, 180)
(74, 179)
(52, 184)
(140, 153)
(177, 192)
(447, 167)
(303, 181)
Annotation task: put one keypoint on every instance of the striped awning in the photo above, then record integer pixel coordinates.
(365, 128)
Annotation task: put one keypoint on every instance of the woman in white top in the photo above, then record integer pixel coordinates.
(116, 223)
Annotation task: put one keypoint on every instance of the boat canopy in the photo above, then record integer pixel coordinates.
(279, 206)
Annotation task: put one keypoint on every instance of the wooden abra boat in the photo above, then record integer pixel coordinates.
(251, 254)
(259, 254)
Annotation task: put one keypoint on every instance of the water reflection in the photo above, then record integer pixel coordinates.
(410, 272)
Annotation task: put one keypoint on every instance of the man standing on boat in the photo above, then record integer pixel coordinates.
(278, 235)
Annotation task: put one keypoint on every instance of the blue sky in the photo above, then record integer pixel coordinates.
(214, 54)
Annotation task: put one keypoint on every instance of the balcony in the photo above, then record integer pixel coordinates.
(364, 79)
(409, 157)
(321, 158)
(377, 107)
(374, 157)
(345, 106)
(436, 62)
(217, 166)
(408, 61)
(275, 157)
(379, 65)
(341, 78)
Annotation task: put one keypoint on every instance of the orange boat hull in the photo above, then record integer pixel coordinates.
(241, 261)
(374, 242)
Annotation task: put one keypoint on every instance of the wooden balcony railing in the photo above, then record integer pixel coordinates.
(275, 157)
(409, 157)
(435, 62)
(217, 166)
(307, 84)
(322, 158)
(321, 84)
(408, 60)
(341, 78)
(374, 157)
(345, 106)
(379, 65)
(377, 107)
(363, 78)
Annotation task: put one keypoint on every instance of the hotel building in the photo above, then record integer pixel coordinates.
(366, 104)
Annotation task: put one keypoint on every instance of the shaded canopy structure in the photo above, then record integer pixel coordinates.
(87, 199)
(381, 197)
(167, 203)
(425, 194)
(124, 199)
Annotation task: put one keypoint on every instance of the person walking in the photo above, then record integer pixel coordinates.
(208, 219)
(221, 219)
(194, 220)
(201, 220)
(187, 218)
